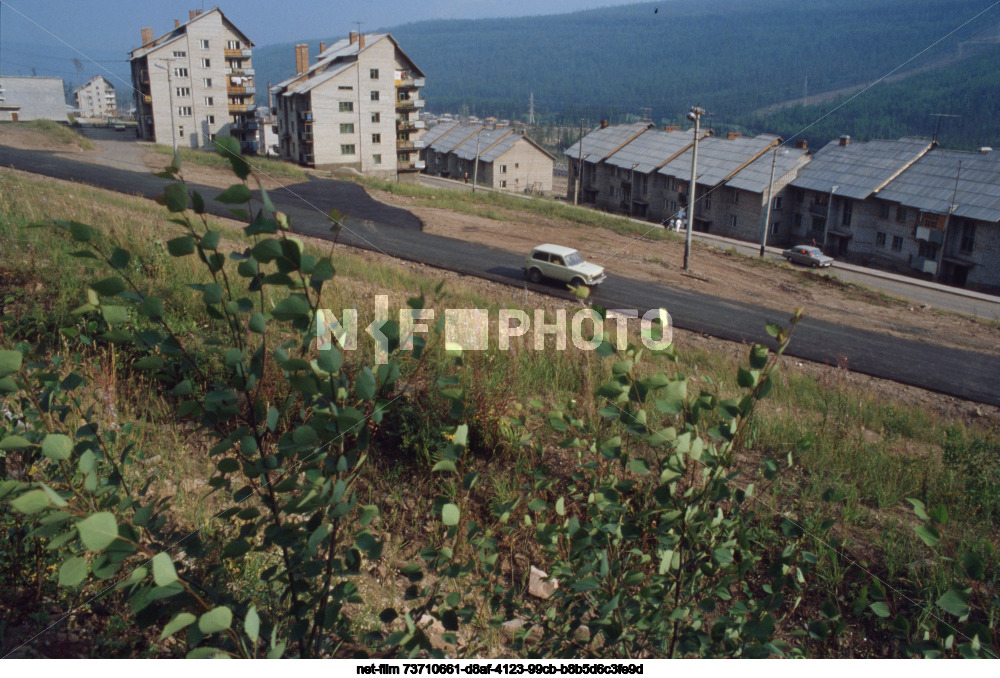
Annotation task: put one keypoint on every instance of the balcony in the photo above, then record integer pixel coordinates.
(410, 165)
(410, 82)
(819, 209)
(409, 104)
(239, 71)
(924, 265)
(242, 108)
(403, 124)
(237, 53)
(931, 235)
(306, 116)
(407, 145)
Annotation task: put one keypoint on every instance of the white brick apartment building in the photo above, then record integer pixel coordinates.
(195, 82)
(96, 98)
(357, 107)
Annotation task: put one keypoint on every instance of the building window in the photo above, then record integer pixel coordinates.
(203, 44)
(209, 101)
(732, 220)
(180, 131)
(183, 91)
(707, 202)
(736, 196)
(374, 95)
(377, 159)
(376, 117)
(347, 128)
(373, 74)
(184, 110)
(180, 72)
(347, 149)
(376, 138)
(845, 217)
(207, 82)
(800, 196)
(206, 63)
(503, 169)
(503, 183)
(880, 239)
(968, 237)
(211, 119)
(233, 44)
(797, 222)
(348, 88)
(776, 228)
(180, 55)
(900, 214)
(883, 210)
(776, 203)
(345, 106)
(897, 243)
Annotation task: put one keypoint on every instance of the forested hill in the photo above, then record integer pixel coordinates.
(732, 56)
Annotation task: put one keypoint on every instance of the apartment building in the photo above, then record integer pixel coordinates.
(356, 107)
(195, 82)
(23, 99)
(498, 157)
(96, 98)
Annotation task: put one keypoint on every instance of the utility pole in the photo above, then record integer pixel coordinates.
(531, 109)
(475, 168)
(947, 223)
(767, 213)
(170, 93)
(579, 168)
(937, 126)
(694, 115)
(357, 62)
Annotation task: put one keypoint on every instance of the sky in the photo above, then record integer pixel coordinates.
(34, 33)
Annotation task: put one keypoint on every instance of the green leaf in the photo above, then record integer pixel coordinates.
(73, 571)
(10, 362)
(235, 195)
(109, 287)
(11, 443)
(773, 329)
(291, 307)
(881, 609)
(215, 620)
(450, 514)
(461, 435)
(210, 240)
(928, 533)
(258, 323)
(114, 315)
(251, 625)
(182, 246)
(164, 573)
(98, 531)
(57, 446)
(973, 565)
(445, 465)
(955, 602)
(918, 508)
(368, 514)
(180, 621)
(31, 502)
(364, 385)
(152, 308)
(229, 148)
(174, 198)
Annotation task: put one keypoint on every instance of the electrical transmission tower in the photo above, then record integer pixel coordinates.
(531, 109)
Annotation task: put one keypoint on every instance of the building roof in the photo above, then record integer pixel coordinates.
(651, 149)
(756, 176)
(605, 141)
(308, 84)
(929, 184)
(180, 30)
(859, 169)
(438, 131)
(453, 137)
(719, 158)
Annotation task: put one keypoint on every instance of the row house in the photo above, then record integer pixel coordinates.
(645, 173)
(195, 83)
(498, 157)
(96, 98)
(356, 107)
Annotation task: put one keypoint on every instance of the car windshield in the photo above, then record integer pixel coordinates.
(573, 259)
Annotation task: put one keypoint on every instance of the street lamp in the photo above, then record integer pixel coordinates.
(631, 190)
(767, 213)
(170, 92)
(695, 116)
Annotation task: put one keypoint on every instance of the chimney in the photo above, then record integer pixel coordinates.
(190, 15)
(604, 124)
(845, 139)
(361, 41)
(322, 47)
(197, 12)
(801, 143)
(147, 35)
(301, 58)
(353, 37)
(732, 135)
(177, 22)
(985, 149)
(671, 128)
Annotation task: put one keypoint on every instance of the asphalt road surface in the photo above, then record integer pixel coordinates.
(374, 226)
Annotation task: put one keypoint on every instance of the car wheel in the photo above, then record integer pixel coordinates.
(535, 275)
(814, 264)
(577, 282)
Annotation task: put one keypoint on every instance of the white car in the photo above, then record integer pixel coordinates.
(808, 255)
(564, 264)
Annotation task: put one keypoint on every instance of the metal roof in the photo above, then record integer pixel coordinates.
(309, 84)
(859, 169)
(929, 184)
(604, 141)
(438, 131)
(486, 141)
(651, 149)
(719, 157)
(757, 174)
(180, 30)
(452, 138)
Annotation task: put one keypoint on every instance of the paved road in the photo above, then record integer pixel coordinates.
(375, 226)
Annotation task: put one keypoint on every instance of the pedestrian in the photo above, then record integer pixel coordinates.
(814, 242)
(466, 177)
